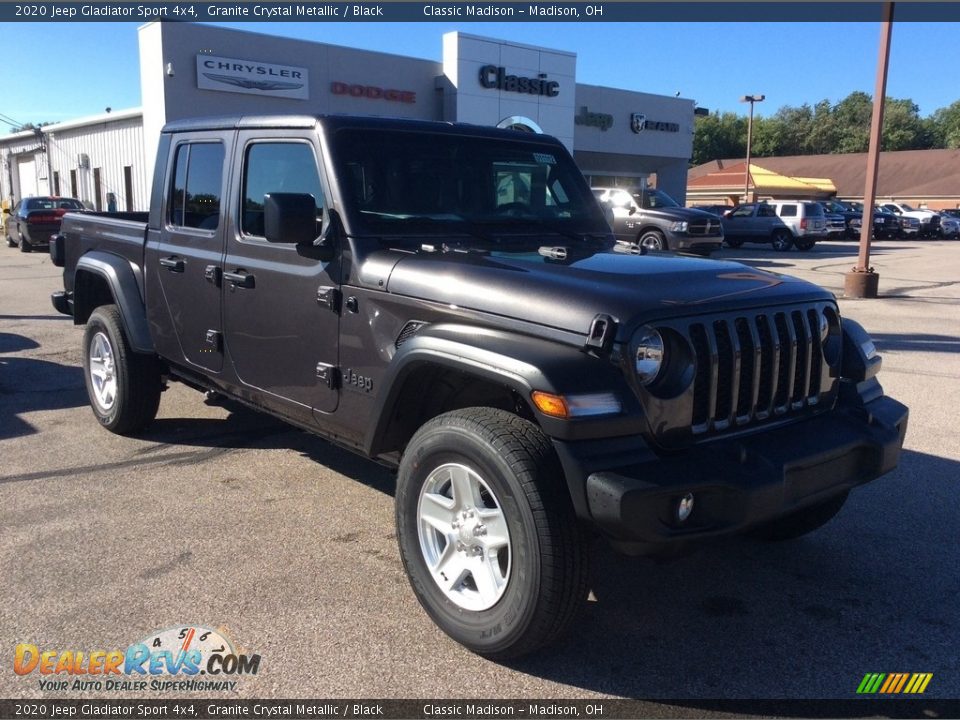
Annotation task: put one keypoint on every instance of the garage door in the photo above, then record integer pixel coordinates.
(27, 174)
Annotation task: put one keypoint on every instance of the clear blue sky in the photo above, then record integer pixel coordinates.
(58, 71)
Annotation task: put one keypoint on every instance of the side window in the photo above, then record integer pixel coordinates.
(743, 211)
(197, 186)
(275, 167)
(788, 211)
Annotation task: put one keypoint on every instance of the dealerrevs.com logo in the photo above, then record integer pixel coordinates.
(169, 660)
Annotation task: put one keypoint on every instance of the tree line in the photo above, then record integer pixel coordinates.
(824, 128)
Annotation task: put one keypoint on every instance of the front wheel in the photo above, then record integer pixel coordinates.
(652, 240)
(732, 243)
(123, 386)
(487, 533)
(801, 522)
(782, 240)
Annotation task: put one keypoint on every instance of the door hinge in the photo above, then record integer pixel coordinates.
(329, 297)
(214, 340)
(328, 375)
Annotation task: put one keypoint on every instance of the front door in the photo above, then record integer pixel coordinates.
(281, 318)
(186, 261)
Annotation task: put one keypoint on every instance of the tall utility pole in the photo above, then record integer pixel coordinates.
(862, 281)
(746, 173)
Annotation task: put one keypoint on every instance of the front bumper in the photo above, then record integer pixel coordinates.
(694, 243)
(744, 481)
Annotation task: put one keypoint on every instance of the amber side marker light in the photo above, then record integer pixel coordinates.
(576, 406)
(549, 404)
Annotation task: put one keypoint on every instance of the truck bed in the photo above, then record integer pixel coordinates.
(122, 233)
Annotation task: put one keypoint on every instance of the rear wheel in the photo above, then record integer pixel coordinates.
(652, 240)
(487, 533)
(24, 245)
(804, 244)
(782, 240)
(801, 522)
(123, 386)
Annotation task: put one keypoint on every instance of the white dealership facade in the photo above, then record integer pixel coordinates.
(616, 136)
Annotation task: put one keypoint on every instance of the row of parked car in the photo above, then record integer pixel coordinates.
(647, 219)
(841, 219)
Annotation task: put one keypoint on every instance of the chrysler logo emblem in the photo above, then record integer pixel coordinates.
(638, 121)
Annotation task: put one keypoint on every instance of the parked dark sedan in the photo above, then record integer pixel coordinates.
(34, 220)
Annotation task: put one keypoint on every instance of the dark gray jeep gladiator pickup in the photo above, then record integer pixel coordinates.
(444, 299)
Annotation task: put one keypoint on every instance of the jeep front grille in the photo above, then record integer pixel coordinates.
(752, 367)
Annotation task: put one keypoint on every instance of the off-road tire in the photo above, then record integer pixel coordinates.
(137, 376)
(546, 584)
(801, 522)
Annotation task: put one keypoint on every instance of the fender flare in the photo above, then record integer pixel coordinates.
(518, 362)
(123, 285)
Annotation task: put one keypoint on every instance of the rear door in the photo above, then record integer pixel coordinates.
(280, 301)
(186, 263)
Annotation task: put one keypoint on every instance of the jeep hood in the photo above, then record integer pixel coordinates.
(568, 294)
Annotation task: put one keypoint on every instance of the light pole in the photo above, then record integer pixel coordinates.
(746, 173)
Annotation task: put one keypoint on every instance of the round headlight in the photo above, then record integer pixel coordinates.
(648, 357)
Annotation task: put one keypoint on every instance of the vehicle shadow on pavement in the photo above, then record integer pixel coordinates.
(30, 385)
(246, 428)
(11, 342)
(916, 343)
(800, 619)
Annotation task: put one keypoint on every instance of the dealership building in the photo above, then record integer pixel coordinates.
(616, 136)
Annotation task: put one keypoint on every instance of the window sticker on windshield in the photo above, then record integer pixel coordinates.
(545, 158)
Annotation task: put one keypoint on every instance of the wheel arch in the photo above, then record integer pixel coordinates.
(481, 367)
(102, 278)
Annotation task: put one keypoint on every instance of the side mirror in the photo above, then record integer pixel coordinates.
(290, 218)
(6, 211)
(633, 209)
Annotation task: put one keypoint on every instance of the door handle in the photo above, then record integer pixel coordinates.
(239, 279)
(212, 274)
(172, 263)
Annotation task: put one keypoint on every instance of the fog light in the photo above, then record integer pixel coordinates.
(685, 507)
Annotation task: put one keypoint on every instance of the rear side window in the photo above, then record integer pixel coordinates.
(788, 211)
(275, 167)
(197, 186)
(766, 211)
(812, 209)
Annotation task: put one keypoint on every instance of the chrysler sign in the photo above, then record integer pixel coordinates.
(252, 77)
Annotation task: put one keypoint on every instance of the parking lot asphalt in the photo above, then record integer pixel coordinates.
(234, 520)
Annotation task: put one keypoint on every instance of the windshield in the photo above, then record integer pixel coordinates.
(654, 199)
(398, 182)
(906, 207)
